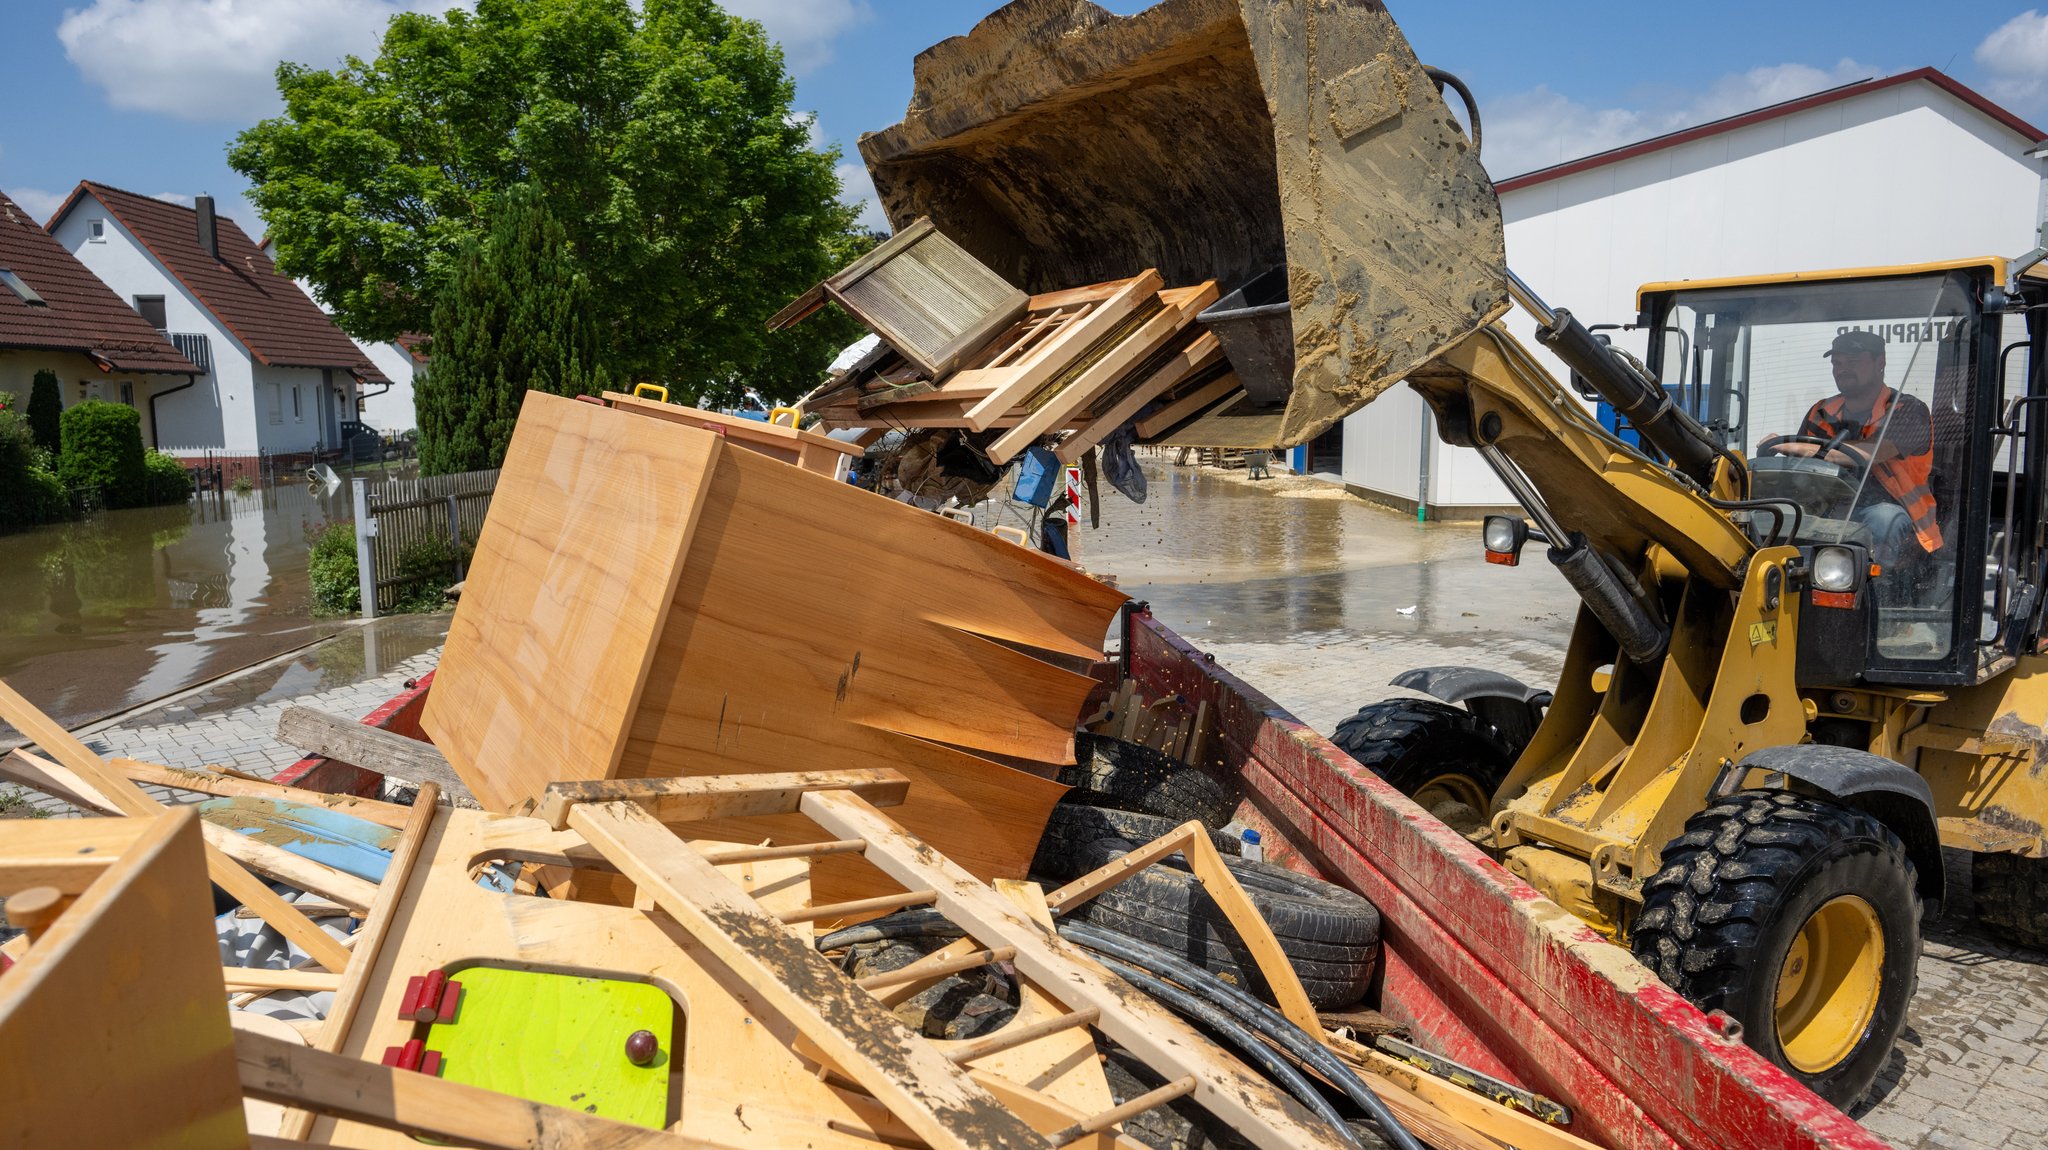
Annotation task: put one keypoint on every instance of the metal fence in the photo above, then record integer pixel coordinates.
(410, 530)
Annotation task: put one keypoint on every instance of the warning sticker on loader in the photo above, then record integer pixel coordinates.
(1761, 633)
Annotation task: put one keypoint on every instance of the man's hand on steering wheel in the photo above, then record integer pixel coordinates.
(1836, 450)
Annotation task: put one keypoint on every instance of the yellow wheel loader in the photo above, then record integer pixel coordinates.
(1810, 648)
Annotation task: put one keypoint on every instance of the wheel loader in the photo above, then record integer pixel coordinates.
(1810, 648)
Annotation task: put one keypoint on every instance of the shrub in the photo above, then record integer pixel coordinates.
(45, 411)
(103, 448)
(243, 485)
(30, 492)
(331, 569)
(427, 567)
(167, 480)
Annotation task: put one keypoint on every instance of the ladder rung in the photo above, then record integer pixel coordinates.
(922, 969)
(1010, 1036)
(861, 906)
(1136, 1106)
(794, 851)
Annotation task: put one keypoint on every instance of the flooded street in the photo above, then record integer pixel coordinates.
(111, 612)
(1289, 579)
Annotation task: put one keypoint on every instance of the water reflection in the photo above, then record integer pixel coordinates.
(109, 612)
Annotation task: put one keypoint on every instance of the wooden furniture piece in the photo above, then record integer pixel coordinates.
(922, 293)
(647, 601)
(1186, 406)
(1120, 405)
(113, 1030)
(1047, 342)
(804, 449)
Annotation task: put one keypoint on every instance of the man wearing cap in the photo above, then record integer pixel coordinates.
(1890, 429)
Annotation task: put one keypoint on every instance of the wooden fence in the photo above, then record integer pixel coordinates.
(410, 529)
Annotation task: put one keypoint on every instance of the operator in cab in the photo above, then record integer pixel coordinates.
(1887, 431)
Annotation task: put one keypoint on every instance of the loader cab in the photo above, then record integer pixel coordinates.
(1877, 411)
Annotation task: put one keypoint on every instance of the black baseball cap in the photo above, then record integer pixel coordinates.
(1867, 341)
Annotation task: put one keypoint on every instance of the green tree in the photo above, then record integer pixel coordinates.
(659, 134)
(44, 409)
(517, 317)
(102, 447)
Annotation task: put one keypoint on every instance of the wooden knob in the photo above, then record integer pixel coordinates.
(34, 909)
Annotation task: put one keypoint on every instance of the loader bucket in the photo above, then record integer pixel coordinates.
(1214, 139)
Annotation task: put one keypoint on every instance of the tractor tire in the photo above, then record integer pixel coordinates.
(2012, 898)
(1330, 935)
(1074, 827)
(1134, 777)
(1432, 752)
(1799, 918)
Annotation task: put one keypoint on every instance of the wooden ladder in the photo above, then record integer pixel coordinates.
(947, 1094)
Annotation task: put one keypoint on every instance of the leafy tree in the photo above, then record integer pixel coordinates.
(102, 447)
(660, 134)
(517, 317)
(30, 492)
(44, 409)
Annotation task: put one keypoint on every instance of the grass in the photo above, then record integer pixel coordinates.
(15, 804)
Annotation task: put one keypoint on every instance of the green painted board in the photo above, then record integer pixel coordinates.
(560, 1040)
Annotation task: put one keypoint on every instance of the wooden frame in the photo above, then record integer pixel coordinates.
(1028, 362)
(808, 450)
(1184, 407)
(1202, 353)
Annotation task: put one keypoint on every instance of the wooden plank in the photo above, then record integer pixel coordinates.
(255, 978)
(747, 431)
(1186, 406)
(406, 1100)
(1012, 383)
(866, 1042)
(1203, 353)
(573, 577)
(112, 1025)
(1224, 1086)
(95, 778)
(210, 782)
(276, 863)
(1180, 307)
(361, 745)
(31, 770)
(721, 796)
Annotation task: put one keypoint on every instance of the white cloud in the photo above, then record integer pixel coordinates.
(1542, 127)
(178, 198)
(806, 29)
(2015, 59)
(37, 202)
(856, 188)
(216, 59)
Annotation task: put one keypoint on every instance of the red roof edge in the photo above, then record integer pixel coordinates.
(1933, 76)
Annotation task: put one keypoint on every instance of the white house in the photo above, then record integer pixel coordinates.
(388, 408)
(1910, 168)
(279, 377)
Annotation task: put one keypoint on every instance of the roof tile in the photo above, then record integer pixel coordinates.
(82, 313)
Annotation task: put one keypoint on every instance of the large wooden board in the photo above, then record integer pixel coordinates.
(114, 1026)
(572, 580)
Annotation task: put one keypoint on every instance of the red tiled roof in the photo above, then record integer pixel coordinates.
(414, 343)
(277, 322)
(1933, 76)
(82, 314)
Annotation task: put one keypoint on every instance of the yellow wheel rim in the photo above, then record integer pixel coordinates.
(1828, 985)
(1452, 787)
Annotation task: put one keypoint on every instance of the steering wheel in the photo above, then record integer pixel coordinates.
(1838, 443)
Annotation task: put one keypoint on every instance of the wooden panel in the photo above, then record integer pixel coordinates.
(1013, 382)
(573, 577)
(1184, 406)
(114, 1026)
(775, 440)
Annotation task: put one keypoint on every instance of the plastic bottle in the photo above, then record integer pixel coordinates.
(1254, 850)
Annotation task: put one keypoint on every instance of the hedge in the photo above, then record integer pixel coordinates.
(30, 492)
(103, 448)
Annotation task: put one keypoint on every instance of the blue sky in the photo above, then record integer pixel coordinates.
(146, 94)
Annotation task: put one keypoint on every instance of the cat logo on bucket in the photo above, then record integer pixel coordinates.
(1761, 633)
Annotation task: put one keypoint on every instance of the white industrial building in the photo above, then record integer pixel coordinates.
(1909, 168)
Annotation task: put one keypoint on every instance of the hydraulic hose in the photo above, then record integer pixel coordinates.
(1442, 80)
(1642, 638)
(1276, 1068)
(919, 922)
(1263, 1019)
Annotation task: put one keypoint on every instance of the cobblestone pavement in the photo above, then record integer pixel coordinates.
(1323, 638)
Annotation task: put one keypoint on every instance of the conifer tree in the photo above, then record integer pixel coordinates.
(45, 409)
(516, 316)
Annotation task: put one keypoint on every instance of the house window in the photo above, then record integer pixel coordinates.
(296, 413)
(96, 231)
(128, 394)
(276, 403)
(28, 294)
(151, 308)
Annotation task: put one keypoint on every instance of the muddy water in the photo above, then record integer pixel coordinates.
(1224, 559)
(128, 606)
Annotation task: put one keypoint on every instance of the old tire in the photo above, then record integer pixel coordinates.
(1134, 777)
(1330, 935)
(1075, 826)
(1182, 1124)
(2012, 898)
(1432, 752)
(1799, 918)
